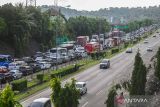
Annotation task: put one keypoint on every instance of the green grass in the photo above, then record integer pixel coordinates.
(87, 63)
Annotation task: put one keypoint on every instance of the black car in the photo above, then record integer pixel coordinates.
(105, 63)
(26, 70)
(6, 77)
(35, 67)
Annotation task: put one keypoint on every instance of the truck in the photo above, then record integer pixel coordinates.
(92, 47)
(5, 60)
(82, 40)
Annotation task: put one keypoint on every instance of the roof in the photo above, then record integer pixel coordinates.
(1, 55)
(80, 82)
(105, 59)
(42, 100)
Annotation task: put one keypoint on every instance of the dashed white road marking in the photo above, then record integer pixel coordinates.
(85, 104)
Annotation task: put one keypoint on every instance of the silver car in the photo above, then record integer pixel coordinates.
(81, 86)
(41, 102)
(105, 63)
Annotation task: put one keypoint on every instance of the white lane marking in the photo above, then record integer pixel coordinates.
(85, 104)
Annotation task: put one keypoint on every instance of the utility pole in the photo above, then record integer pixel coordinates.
(26, 3)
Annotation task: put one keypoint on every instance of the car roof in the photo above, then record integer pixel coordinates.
(80, 82)
(105, 59)
(42, 100)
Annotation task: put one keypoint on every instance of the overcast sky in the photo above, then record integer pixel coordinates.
(92, 4)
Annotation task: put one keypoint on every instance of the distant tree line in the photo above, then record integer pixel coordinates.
(129, 14)
(20, 25)
(135, 25)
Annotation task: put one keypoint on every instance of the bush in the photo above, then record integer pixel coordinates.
(114, 50)
(65, 71)
(126, 45)
(40, 77)
(19, 85)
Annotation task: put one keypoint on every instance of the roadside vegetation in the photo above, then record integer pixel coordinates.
(20, 25)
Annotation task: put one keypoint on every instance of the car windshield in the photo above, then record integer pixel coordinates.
(36, 104)
(79, 85)
(3, 59)
(104, 61)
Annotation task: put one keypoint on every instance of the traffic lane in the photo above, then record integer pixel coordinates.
(99, 99)
(81, 75)
(96, 102)
(96, 85)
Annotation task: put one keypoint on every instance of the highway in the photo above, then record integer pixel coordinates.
(100, 80)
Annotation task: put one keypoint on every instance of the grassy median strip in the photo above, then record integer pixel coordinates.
(34, 87)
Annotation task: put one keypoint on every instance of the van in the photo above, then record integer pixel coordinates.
(41, 102)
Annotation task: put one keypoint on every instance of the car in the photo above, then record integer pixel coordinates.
(72, 54)
(105, 63)
(129, 50)
(81, 86)
(146, 41)
(44, 65)
(149, 49)
(35, 67)
(66, 58)
(26, 70)
(56, 58)
(16, 74)
(28, 60)
(39, 58)
(14, 66)
(154, 35)
(6, 77)
(41, 102)
(3, 69)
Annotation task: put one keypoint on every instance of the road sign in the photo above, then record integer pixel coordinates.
(61, 39)
(121, 27)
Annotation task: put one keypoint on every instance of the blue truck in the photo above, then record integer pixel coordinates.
(5, 60)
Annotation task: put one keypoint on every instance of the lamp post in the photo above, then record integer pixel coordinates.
(58, 24)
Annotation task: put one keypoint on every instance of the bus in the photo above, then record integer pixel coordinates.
(5, 60)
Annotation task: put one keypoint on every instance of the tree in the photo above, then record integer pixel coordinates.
(7, 98)
(2, 24)
(55, 85)
(157, 67)
(111, 98)
(138, 79)
(66, 96)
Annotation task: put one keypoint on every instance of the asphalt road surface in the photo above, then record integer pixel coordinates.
(100, 80)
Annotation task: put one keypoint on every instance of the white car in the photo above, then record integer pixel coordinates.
(16, 74)
(44, 65)
(39, 59)
(14, 66)
(149, 49)
(81, 86)
(146, 41)
(129, 50)
(41, 102)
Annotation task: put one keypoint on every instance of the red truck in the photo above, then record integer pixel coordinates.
(82, 40)
(92, 47)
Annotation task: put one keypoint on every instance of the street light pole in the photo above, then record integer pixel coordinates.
(58, 24)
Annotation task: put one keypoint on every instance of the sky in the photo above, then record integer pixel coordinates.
(92, 5)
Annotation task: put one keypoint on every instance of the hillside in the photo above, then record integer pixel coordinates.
(153, 12)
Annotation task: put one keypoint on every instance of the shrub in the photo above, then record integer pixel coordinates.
(40, 77)
(126, 45)
(114, 50)
(65, 71)
(19, 85)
